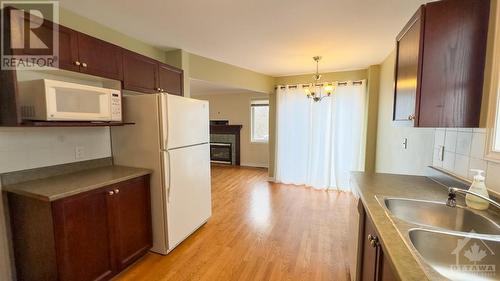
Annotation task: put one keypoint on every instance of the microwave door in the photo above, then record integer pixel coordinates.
(77, 104)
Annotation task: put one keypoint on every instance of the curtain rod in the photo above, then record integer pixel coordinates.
(343, 83)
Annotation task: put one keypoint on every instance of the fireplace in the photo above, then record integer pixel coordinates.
(224, 142)
(221, 152)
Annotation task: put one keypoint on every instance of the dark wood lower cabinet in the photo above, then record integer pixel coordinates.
(132, 212)
(82, 234)
(89, 236)
(374, 265)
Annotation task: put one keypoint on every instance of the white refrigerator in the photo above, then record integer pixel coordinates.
(170, 137)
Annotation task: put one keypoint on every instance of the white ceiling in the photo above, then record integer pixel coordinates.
(275, 37)
(201, 88)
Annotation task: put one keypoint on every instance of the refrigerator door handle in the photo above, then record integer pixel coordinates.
(164, 120)
(169, 176)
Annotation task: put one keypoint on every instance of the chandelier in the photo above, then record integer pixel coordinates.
(318, 91)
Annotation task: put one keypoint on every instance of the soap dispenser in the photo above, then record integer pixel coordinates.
(478, 187)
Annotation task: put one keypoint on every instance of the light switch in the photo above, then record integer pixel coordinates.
(405, 143)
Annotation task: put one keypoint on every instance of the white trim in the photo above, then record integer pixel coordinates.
(252, 139)
(259, 141)
(255, 165)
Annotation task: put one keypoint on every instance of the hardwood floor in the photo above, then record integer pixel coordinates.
(259, 231)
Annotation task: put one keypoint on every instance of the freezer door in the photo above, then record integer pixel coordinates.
(189, 203)
(184, 121)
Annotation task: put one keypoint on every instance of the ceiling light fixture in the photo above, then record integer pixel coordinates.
(318, 91)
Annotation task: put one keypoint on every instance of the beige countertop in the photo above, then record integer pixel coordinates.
(61, 186)
(402, 256)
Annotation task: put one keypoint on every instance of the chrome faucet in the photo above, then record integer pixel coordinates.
(452, 194)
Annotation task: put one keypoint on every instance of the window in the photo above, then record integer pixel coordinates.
(259, 110)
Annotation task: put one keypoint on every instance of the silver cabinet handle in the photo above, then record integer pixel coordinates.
(111, 192)
(158, 89)
(77, 63)
(411, 117)
(84, 64)
(117, 191)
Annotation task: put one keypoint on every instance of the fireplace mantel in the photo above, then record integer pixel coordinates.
(225, 129)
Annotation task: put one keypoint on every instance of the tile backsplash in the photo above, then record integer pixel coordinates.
(458, 150)
(28, 148)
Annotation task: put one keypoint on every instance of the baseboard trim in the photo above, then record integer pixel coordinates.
(255, 165)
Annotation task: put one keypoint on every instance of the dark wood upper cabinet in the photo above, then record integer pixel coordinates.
(89, 236)
(170, 79)
(440, 64)
(99, 58)
(68, 49)
(453, 62)
(146, 75)
(140, 73)
(408, 67)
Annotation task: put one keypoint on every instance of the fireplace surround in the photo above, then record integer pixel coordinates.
(224, 142)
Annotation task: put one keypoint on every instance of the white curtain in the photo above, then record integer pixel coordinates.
(318, 144)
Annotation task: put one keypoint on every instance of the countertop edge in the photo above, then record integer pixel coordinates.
(138, 173)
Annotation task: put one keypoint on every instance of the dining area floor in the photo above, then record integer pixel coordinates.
(259, 230)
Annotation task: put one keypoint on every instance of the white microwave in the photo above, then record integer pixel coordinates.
(51, 100)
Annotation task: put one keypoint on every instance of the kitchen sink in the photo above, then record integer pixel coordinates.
(437, 214)
(459, 256)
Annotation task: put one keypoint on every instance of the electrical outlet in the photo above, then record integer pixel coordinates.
(79, 152)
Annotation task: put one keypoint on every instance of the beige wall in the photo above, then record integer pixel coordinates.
(202, 68)
(391, 157)
(236, 109)
(372, 117)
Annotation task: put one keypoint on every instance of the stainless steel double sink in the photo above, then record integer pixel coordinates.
(458, 243)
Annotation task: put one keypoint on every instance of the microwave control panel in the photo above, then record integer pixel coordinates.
(116, 106)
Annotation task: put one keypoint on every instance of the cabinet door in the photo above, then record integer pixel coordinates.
(140, 73)
(83, 237)
(371, 253)
(375, 266)
(99, 58)
(68, 49)
(453, 63)
(171, 79)
(407, 69)
(386, 273)
(131, 220)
